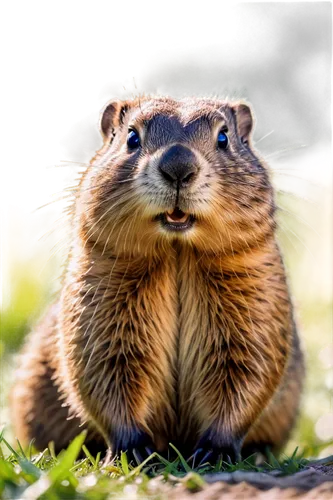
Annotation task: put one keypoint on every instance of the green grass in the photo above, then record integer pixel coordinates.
(30, 475)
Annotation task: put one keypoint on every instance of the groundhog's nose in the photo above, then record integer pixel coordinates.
(178, 166)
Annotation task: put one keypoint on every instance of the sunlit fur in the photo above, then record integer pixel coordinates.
(177, 335)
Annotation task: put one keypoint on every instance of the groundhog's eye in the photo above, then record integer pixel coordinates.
(222, 140)
(133, 139)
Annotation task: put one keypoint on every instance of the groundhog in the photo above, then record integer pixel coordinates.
(175, 322)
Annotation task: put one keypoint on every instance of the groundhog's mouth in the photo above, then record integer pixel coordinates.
(177, 220)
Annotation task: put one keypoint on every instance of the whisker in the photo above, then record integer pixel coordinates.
(282, 150)
(75, 189)
(125, 209)
(130, 227)
(82, 164)
(63, 241)
(289, 194)
(108, 210)
(276, 189)
(54, 228)
(300, 221)
(288, 174)
(58, 243)
(283, 227)
(58, 278)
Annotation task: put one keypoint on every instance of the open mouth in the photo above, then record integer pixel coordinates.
(177, 220)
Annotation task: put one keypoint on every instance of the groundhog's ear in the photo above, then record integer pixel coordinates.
(244, 121)
(111, 118)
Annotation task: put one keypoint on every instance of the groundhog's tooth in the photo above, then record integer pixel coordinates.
(170, 218)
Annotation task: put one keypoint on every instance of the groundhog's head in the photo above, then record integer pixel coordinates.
(176, 170)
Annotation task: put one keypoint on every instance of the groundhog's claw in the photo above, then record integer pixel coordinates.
(140, 454)
(149, 450)
(108, 458)
(220, 446)
(137, 455)
(205, 457)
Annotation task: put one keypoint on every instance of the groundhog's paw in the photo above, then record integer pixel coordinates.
(135, 442)
(213, 446)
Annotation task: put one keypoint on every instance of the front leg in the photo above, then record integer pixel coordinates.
(232, 355)
(130, 400)
(120, 352)
(232, 397)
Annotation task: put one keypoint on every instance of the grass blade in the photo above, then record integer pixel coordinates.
(124, 462)
(138, 469)
(67, 458)
(16, 455)
(60, 471)
(272, 460)
(30, 448)
(181, 458)
(52, 450)
(21, 449)
(89, 455)
(294, 453)
(98, 457)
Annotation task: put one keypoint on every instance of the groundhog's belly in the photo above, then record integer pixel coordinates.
(147, 349)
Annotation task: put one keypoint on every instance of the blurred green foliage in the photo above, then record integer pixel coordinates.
(30, 290)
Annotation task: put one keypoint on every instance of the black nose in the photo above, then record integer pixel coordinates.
(179, 166)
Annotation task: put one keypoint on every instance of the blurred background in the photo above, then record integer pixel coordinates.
(287, 79)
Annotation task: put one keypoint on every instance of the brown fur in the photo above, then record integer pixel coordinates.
(158, 336)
